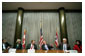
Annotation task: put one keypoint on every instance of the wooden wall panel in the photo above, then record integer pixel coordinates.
(74, 27)
(8, 26)
(50, 20)
(50, 23)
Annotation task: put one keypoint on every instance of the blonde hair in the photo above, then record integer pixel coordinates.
(18, 40)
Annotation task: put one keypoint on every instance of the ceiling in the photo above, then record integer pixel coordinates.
(41, 5)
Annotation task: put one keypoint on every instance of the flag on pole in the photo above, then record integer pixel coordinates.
(23, 40)
(56, 40)
(41, 36)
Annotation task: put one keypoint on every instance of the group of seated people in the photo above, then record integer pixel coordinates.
(63, 46)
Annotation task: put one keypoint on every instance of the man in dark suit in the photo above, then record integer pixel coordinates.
(64, 45)
(32, 45)
(5, 45)
(46, 46)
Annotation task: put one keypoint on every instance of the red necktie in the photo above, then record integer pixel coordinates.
(31, 47)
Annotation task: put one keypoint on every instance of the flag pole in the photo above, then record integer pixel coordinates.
(41, 35)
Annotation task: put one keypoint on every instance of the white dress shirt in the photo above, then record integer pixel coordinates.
(32, 46)
(46, 47)
(4, 46)
(64, 46)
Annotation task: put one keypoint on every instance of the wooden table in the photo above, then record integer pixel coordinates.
(37, 51)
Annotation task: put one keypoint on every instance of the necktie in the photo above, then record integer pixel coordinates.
(31, 47)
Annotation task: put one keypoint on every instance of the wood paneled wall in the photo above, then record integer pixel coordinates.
(50, 22)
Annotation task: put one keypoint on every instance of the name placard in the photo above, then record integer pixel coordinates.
(12, 50)
(31, 50)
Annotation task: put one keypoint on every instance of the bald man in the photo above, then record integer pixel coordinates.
(46, 46)
(64, 45)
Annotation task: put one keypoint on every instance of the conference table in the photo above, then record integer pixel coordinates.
(39, 51)
(36, 51)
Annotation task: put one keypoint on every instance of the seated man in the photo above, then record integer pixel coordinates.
(78, 46)
(5, 45)
(64, 45)
(18, 44)
(46, 46)
(32, 45)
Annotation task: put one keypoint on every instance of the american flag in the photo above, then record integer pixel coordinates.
(41, 36)
(23, 40)
(56, 40)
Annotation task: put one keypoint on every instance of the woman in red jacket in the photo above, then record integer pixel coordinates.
(78, 46)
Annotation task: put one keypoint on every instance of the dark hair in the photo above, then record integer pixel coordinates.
(32, 41)
(79, 42)
(3, 39)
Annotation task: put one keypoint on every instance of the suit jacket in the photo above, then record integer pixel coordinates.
(61, 46)
(6, 45)
(19, 46)
(49, 47)
(29, 45)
